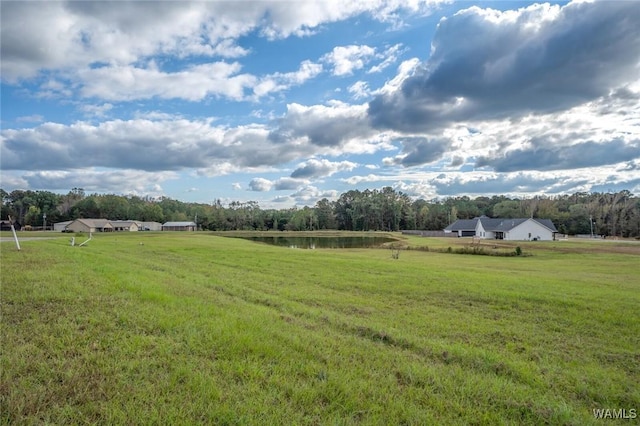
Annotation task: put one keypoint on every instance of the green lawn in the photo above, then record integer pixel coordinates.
(177, 328)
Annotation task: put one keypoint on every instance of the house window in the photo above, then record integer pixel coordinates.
(529, 235)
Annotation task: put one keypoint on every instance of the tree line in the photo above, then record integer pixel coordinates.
(607, 214)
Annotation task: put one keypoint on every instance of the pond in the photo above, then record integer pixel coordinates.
(322, 242)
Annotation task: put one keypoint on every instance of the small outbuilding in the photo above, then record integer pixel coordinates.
(179, 226)
(521, 229)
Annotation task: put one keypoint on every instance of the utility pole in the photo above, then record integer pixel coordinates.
(591, 225)
(44, 221)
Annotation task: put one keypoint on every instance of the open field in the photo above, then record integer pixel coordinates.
(177, 328)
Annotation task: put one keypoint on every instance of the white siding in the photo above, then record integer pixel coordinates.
(527, 231)
(483, 233)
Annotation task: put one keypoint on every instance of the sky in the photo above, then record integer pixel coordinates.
(289, 102)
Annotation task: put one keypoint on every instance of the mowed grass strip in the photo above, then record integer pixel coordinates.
(162, 328)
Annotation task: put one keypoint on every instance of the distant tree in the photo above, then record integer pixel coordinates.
(86, 208)
(325, 214)
(114, 207)
(33, 216)
(507, 209)
(302, 220)
(66, 203)
(151, 212)
(579, 219)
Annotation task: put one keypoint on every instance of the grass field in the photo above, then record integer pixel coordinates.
(177, 328)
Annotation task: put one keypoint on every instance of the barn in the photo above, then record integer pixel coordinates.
(179, 226)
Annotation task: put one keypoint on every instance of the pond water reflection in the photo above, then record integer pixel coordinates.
(321, 242)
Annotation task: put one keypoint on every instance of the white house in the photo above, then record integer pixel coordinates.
(527, 229)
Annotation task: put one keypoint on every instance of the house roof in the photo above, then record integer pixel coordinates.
(463, 225)
(504, 224)
(496, 224)
(66, 222)
(179, 224)
(493, 224)
(95, 223)
(125, 222)
(547, 223)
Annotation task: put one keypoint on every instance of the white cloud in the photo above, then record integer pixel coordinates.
(287, 183)
(54, 89)
(355, 180)
(405, 70)
(389, 56)
(144, 144)
(360, 89)
(96, 110)
(346, 59)
(124, 181)
(125, 83)
(326, 126)
(309, 195)
(420, 189)
(307, 16)
(156, 115)
(34, 118)
(282, 81)
(314, 168)
(260, 184)
(488, 65)
(193, 83)
(63, 35)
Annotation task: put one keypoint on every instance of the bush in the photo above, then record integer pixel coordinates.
(518, 251)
